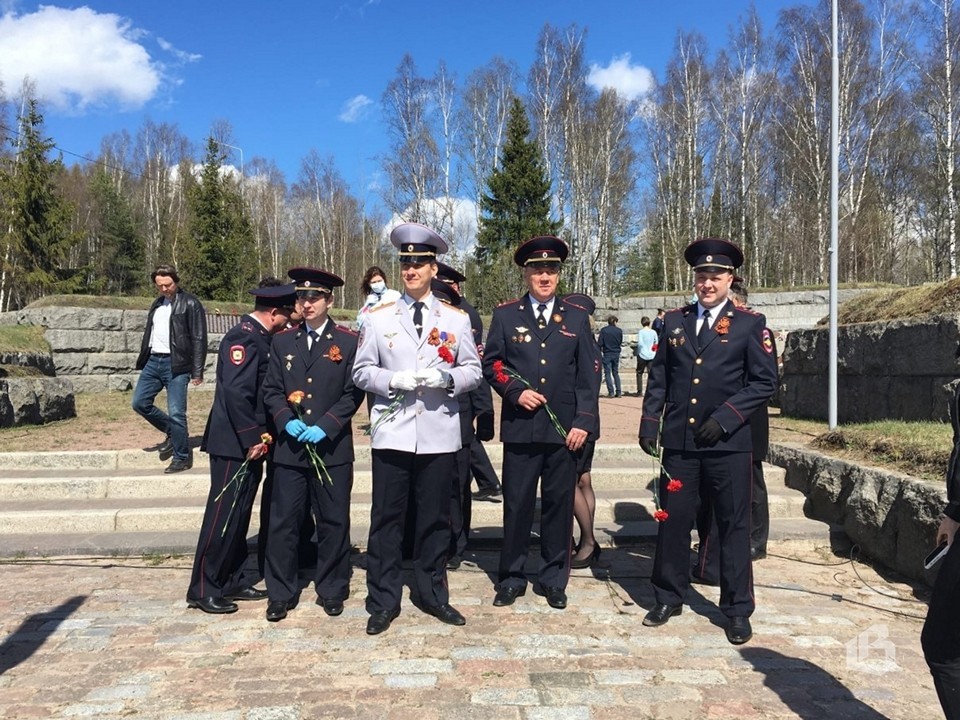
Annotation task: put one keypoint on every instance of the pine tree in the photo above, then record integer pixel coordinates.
(120, 267)
(515, 208)
(221, 263)
(38, 236)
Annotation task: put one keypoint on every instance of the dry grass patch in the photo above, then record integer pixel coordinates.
(902, 302)
(22, 338)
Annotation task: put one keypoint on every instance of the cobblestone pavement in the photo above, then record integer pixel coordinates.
(112, 638)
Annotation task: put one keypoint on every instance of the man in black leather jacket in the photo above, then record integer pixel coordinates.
(172, 353)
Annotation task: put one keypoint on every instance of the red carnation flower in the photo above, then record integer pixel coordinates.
(674, 485)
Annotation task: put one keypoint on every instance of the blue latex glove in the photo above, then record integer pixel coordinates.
(311, 434)
(294, 427)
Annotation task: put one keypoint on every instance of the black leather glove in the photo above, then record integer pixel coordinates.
(709, 434)
(485, 427)
(649, 446)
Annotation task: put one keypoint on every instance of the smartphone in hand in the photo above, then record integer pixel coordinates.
(934, 557)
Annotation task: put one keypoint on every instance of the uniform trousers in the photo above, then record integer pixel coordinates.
(940, 638)
(461, 505)
(297, 492)
(220, 563)
(524, 464)
(482, 468)
(397, 474)
(708, 555)
(724, 479)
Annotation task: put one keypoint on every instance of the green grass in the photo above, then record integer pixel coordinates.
(920, 449)
(22, 338)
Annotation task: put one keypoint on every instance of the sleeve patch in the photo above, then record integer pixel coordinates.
(238, 354)
(767, 341)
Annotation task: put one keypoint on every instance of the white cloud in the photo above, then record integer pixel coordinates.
(80, 58)
(630, 81)
(181, 55)
(355, 109)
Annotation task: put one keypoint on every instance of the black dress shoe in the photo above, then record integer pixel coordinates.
(489, 494)
(248, 593)
(588, 561)
(277, 610)
(757, 553)
(330, 606)
(380, 620)
(445, 613)
(506, 595)
(166, 449)
(556, 597)
(178, 466)
(738, 630)
(660, 614)
(454, 563)
(212, 605)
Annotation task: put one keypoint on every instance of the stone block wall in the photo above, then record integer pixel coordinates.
(97, 349)
(885, 370)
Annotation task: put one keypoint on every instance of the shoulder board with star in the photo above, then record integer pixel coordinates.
(508, 302)
(378, 308)
(448, 306)
(678, 309)
(287, 330)
(345, 330)
(748, 311)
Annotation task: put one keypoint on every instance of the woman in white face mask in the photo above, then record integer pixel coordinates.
(374, 285)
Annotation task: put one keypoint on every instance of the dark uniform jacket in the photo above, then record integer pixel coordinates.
(733, 375)
(237, 418)
(478, 403)
(188, 335)
(325, 375)
(562, 362)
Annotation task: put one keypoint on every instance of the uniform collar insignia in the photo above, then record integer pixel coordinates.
(521, 329)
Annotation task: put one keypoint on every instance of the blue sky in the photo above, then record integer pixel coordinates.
(299, 75)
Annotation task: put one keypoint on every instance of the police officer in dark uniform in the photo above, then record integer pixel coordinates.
(236, 432)
(713, 369)
(708, 553)
(310, 394)
(472, 404)
(488, 484)
(540, 352)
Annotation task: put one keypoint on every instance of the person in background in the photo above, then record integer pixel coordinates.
(488, 484)
(585, 500)
(173, 352)
(940, 638)
(647, 341)
(713, 370)
(374, 285)
(236, 431)
(610, 341)
(657, 326)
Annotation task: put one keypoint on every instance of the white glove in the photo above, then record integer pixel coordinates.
(432, 378)
(403, 380)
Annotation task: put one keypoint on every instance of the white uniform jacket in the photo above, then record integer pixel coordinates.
(428, 419)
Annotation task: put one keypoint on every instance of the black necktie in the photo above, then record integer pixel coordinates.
(314, 339)
(418, 317)
(541, 319)
(704, 327)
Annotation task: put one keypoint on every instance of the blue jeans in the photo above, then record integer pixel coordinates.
(611, 367)
(155, 377)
